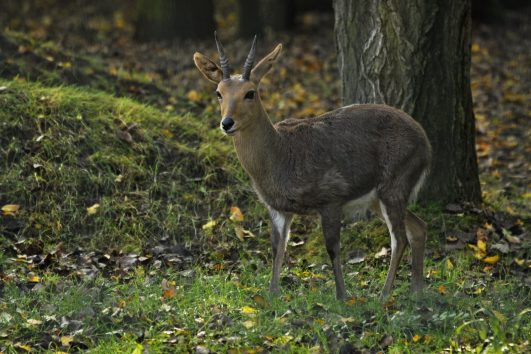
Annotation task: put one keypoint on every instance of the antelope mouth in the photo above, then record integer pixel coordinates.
(230, 131)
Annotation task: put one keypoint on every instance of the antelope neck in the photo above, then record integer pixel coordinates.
(257, 147)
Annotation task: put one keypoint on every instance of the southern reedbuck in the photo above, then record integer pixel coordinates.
(354, 158)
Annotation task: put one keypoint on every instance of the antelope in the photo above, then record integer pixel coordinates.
(353, 159)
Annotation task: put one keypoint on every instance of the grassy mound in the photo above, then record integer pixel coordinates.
(142, 173)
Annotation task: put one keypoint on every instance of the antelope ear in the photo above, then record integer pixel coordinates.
(265, 64)
(208, 68)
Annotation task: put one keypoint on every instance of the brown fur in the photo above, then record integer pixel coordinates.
(322, 163)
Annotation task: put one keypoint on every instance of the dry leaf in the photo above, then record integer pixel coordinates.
(260, 300)
(168, 289)
(449, 264)
(492, 259)
(209, 225)
(441, 289)
(236, 214)
(34, 279)
(248, 310)
(381, 253)
(249, 324)
(416, 338)
(66, 340)
(10, 209)
(93, 209)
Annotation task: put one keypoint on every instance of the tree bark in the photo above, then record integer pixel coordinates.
(169, 19)
(415, 55)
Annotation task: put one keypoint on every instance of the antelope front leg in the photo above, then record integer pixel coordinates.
(281, 223)
(331, 224)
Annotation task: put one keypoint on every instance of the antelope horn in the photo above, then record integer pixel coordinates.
(249, 62)
(223, 61)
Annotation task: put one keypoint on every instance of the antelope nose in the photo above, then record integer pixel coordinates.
(227, 123)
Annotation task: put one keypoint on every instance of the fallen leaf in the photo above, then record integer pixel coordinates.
(168, 289)
(381, 253)
(25, 347)
(248, 310)
(482, 245)
(93, 209)
(492, 259)
(34, 322)
(242, 233)
(249, 324)
(10, 209)
(449, 264)
(209, 225)
(34, 278)
(66, 340)
(236, 214)
(519, 261)
(416, 338)
(282, 340)
(441, 289)
(260, 300)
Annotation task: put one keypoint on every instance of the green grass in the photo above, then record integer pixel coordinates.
(231, 311)
(64, 149)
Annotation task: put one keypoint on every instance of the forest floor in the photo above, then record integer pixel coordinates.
(128, 226)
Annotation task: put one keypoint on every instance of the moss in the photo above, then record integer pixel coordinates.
(65, 149)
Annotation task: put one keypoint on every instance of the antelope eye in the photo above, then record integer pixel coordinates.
(249, 95)
(219, 95)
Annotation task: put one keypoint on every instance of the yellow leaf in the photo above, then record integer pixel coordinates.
(260, 300)
(139, 349)
(482, 245)
(449, 264)
(34, 322)
(193, 96)
(519, 261)
(249, 324)
(241, 233)
(93, 209)
(282, 340)
(66, 340)
(236, 214)
(441, 289)
(416, 338)
(10, 209)
(248, 310)
(25, 347)
(209, 225)
(34, 279)
(492, 259)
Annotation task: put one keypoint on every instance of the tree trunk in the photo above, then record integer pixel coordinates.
(415, 55)
(169, 19)
(256, 15)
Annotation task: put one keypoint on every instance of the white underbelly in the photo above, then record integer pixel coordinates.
(357, 208)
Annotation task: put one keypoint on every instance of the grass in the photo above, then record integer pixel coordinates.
(66, 149)
(231, 311)
(161, 176)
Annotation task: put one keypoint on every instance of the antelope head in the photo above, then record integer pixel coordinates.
(237, 94)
